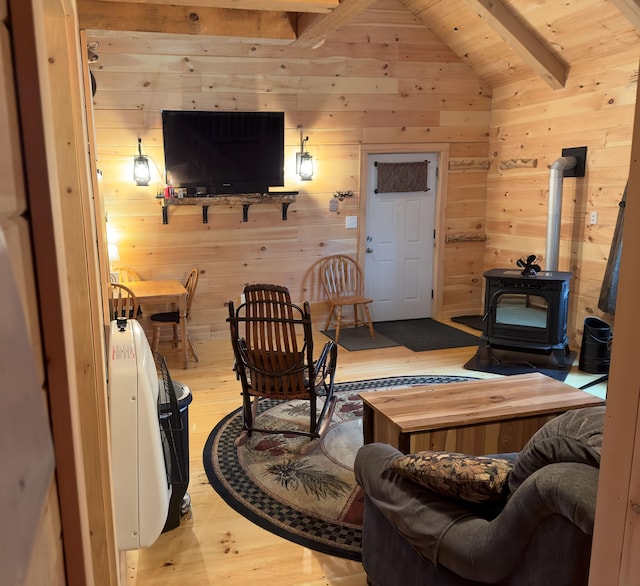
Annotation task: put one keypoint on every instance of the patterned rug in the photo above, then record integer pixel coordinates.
(312, 499)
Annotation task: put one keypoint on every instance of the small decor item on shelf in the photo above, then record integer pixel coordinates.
(529, 269)
(340, 195)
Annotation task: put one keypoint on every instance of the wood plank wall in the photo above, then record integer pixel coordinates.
(532, 123)
(385, 78)
(43, 562)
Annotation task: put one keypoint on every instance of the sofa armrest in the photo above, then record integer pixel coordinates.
(552, 512)
(490, 550)
(420, 515)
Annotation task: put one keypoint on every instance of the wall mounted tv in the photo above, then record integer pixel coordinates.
(212, 153)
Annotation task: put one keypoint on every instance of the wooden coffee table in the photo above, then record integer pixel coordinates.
(484, 416)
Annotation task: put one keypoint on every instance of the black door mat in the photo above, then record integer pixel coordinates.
(472, 321)
(425, 334)
(353, 339)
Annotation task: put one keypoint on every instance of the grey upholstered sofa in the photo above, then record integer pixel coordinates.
(538, 533)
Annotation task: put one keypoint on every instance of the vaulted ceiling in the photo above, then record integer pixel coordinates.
(501, 40)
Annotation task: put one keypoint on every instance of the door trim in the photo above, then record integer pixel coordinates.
(442, 150)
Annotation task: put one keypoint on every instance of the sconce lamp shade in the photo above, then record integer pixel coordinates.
(114, 255)
(141, 168)
(304, 162)
(304, 165)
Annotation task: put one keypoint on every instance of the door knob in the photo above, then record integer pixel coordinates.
(369, 250)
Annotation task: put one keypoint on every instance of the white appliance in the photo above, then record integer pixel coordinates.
(140, 485)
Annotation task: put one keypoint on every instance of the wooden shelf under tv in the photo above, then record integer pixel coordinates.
(284, 198)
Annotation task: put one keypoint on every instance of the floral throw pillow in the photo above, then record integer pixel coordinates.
(476, 479)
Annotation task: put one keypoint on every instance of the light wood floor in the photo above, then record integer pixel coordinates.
(219, 546)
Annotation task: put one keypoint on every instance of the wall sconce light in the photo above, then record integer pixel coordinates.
(304, 161)
(141, 169)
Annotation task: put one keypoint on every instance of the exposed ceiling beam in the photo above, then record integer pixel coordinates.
(312, 30)
(526, 43)
(193, 20)
(317, 6)
(631, 9)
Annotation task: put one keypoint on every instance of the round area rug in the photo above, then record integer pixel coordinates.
(311, 499)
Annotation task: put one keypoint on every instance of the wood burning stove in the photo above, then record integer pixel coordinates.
(526, 313)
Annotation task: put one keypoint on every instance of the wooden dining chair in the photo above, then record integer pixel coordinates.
(272, 343)
(160, 320)
(126, 275)
(123, 302)
(341, 280)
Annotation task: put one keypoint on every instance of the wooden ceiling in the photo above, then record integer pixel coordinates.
(501, 40)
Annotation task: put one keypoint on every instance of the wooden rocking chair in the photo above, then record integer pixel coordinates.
(266, 292)
(273, 349)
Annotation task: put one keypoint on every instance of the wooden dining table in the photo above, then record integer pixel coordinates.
(163, 292)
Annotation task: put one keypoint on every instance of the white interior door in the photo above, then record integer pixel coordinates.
(400, 241)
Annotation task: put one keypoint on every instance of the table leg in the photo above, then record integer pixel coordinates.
(404, 442)
(183, 337)
(367, 424)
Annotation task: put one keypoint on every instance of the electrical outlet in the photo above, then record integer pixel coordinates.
(351, 222)
(594, 218)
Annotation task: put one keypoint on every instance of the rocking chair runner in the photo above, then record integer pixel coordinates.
(274, 359)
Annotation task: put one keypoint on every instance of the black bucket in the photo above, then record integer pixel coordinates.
(595, 353)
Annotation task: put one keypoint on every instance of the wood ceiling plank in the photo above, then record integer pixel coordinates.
(631, 9)
(398, 19)
(312, 30)
(441, 17)
(470, 38)
(573, 30)
(524, 41)
(193, 20)
(317, 6)
(559, 28)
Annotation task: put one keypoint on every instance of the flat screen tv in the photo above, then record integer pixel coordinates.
(213, 153)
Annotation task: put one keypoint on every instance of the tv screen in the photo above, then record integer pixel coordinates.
(213, 153)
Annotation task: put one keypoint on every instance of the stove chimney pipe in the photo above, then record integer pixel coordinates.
(572, 163)
(556, 175)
